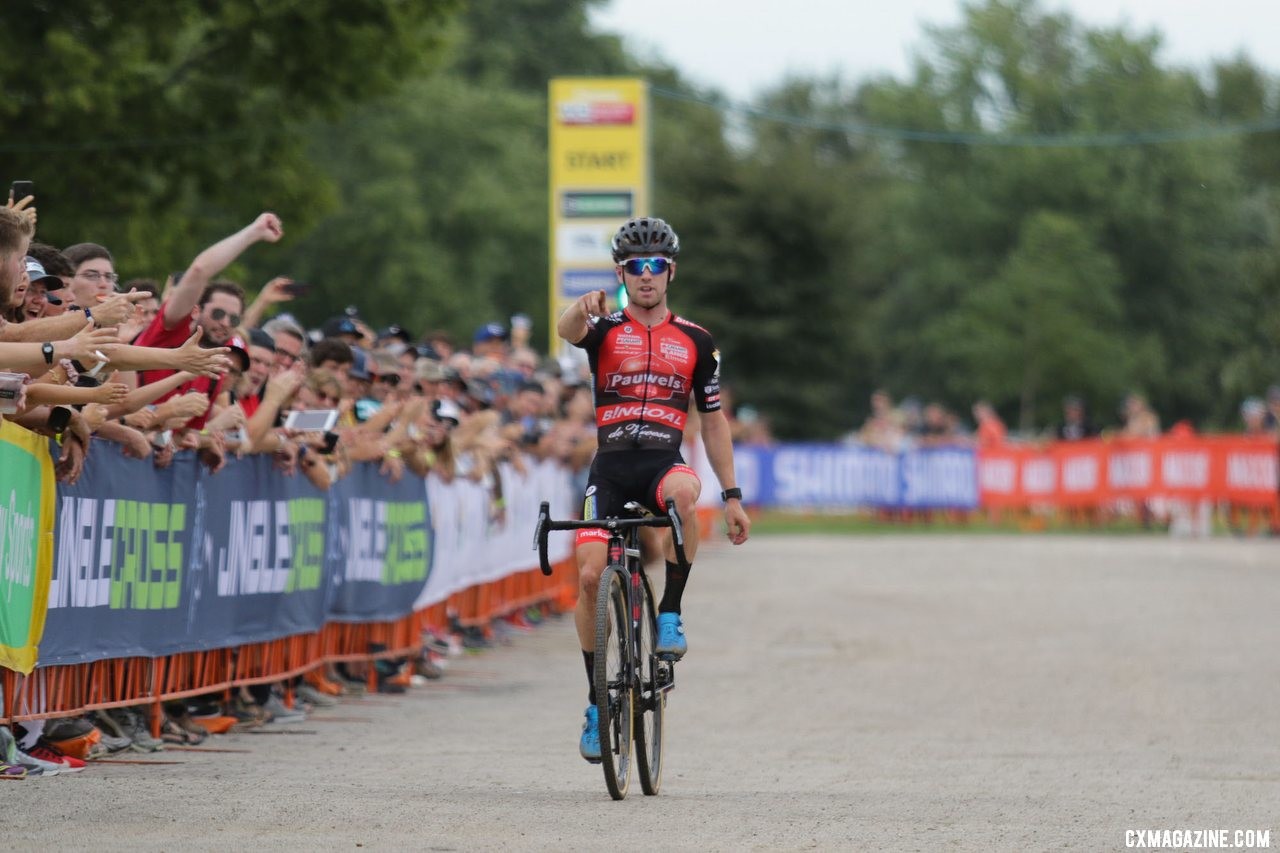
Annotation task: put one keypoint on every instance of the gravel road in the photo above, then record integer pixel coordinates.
(876, 693)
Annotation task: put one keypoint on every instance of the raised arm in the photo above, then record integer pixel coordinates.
(213, 260)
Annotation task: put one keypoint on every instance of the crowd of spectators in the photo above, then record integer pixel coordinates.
(911, 424)
(191, 364)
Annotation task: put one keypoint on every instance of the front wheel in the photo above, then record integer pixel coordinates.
(652, 699)
(613, 680)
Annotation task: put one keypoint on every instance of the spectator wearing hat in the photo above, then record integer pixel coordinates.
(57, 293)
(342, 328)
(43, 291)
(490, 341)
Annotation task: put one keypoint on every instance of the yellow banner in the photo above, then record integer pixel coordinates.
(599, 178)
(26, 543)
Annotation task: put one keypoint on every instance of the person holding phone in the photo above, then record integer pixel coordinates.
(279, 290)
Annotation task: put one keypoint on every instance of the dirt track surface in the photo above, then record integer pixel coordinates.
(889, 693)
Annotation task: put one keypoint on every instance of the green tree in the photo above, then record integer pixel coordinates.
(154, 126)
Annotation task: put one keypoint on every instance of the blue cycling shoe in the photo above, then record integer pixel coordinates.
(589, 745)
(671, 639)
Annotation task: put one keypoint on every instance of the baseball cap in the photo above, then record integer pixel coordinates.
(428, 370)
(446, 410)
(337, 326)
(360, 364)
(395, 331)
(240, 348)
(491, 332)
(259, 338)
(35, 272)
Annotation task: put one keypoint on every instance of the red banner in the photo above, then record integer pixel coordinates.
(1233, 469)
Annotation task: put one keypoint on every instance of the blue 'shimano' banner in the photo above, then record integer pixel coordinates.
(800, 476)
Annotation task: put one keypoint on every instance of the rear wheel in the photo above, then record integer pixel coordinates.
(651, 701)
(613, 680)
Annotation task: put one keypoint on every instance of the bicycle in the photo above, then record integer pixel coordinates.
(629, 674)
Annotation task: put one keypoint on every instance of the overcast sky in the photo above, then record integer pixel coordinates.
(744, 46)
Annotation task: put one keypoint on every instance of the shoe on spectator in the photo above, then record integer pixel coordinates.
(128, 723)
(317, 679)
(66, 728)
(46, 768)
(45, 751)
(671, 639)
(280, 713)
(589, 743)
(248, 715)
(110, 743)
(313, 696)
(427, 667)
(78, 747)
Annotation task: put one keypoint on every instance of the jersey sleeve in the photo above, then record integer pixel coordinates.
(594, 336)
(706, 375)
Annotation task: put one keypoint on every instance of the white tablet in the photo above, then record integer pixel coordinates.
(318, 420)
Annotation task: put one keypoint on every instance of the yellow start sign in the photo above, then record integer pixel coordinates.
(599, 162)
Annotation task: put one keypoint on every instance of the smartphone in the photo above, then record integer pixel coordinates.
(22, 189)
(330, 442)
(297, 288)
(59, 417)
(238, 435)
(312, 420)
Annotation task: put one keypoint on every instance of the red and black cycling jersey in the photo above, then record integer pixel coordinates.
(644, 377)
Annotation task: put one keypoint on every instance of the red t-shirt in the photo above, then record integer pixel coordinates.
(156, 335)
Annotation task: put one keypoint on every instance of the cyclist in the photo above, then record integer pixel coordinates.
(646, 365)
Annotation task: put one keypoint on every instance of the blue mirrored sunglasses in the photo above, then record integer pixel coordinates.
(636, 266)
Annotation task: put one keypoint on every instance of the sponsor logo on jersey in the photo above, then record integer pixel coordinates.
(631, 342)
(591, 490)
(651, 378)
(671, 349)
(638, 411)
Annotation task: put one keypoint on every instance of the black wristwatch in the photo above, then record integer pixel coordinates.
(730, 494)
(47, 349)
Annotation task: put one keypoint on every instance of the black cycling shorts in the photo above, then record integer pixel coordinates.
(622, 476)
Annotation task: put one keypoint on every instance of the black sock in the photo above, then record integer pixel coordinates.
(674, 589)
(590, 659)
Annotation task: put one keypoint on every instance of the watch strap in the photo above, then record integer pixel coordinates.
(730, 494)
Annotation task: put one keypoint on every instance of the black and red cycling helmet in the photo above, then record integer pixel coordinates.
(645, 236)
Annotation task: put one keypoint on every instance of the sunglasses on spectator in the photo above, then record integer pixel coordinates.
(95, 276)
(392, 379)
(218, 315)
(636, 266)
(326, 398)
